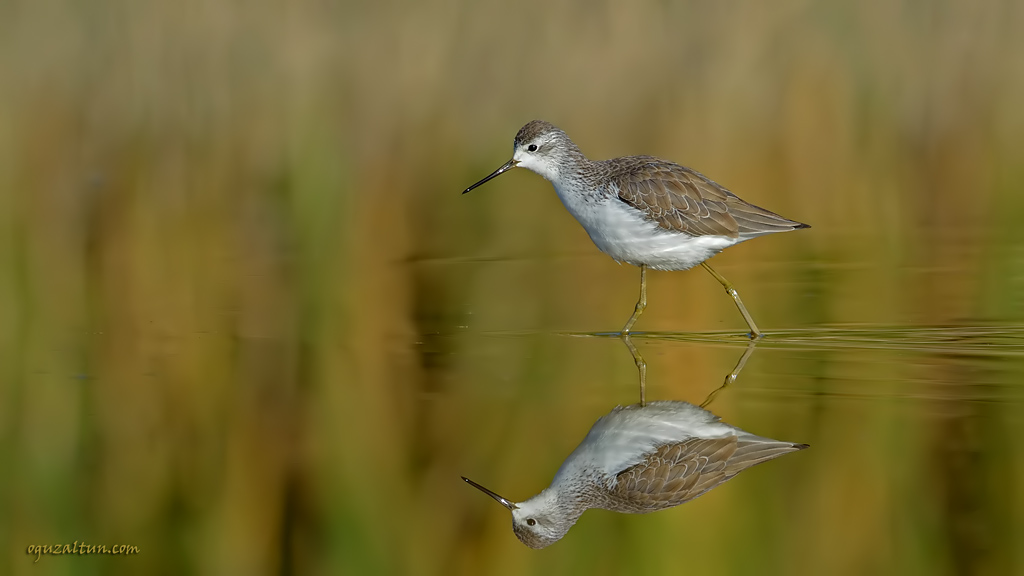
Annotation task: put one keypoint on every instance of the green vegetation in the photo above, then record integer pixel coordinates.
(249, 325)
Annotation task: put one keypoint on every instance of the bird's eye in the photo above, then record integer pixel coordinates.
(531, 521)
(532, 148)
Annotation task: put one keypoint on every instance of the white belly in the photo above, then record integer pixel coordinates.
(620, 232)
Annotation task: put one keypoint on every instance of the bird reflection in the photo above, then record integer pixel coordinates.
(641, 367)
(731, 376)
(639, 459)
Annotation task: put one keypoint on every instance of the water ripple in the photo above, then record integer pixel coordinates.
(993, 340)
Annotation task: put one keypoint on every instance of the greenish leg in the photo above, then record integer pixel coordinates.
(640, 304)
(732, 376)
(754, 332)
(641, 366)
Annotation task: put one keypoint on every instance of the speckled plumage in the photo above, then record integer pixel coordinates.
(640, 209)
(640, 459)
(643, 210)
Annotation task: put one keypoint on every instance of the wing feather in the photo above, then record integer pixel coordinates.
(684, 200)
(676, 473)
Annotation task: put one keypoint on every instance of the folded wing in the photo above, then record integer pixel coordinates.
(679, 472)
(684, 200)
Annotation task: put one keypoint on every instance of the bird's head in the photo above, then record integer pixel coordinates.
(537, 522)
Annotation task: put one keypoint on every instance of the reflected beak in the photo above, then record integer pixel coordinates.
(504, 168)
(504, 502)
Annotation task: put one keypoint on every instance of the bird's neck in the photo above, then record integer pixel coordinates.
(576, 493)
(568, 503)
(571, 166)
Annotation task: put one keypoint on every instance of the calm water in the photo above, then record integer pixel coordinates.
(912, 466)
(182, 433)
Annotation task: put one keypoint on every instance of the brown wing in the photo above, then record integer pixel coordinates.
(676, 473)
(684, 200)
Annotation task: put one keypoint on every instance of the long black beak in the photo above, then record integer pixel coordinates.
(503, 501)
(504, 168)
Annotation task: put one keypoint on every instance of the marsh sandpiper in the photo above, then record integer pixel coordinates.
(639, 459)
(642, 210)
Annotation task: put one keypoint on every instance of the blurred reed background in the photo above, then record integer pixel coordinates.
(241, 297)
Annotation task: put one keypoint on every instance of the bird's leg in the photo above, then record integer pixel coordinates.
(641, 303)
(732, 376)
(641, 366)
(754, 332)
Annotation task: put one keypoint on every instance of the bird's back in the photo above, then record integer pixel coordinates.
(677, 473)
(639, 459)
(683, 200)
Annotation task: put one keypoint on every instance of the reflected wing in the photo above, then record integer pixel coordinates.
(679, 472)
(684, 200)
